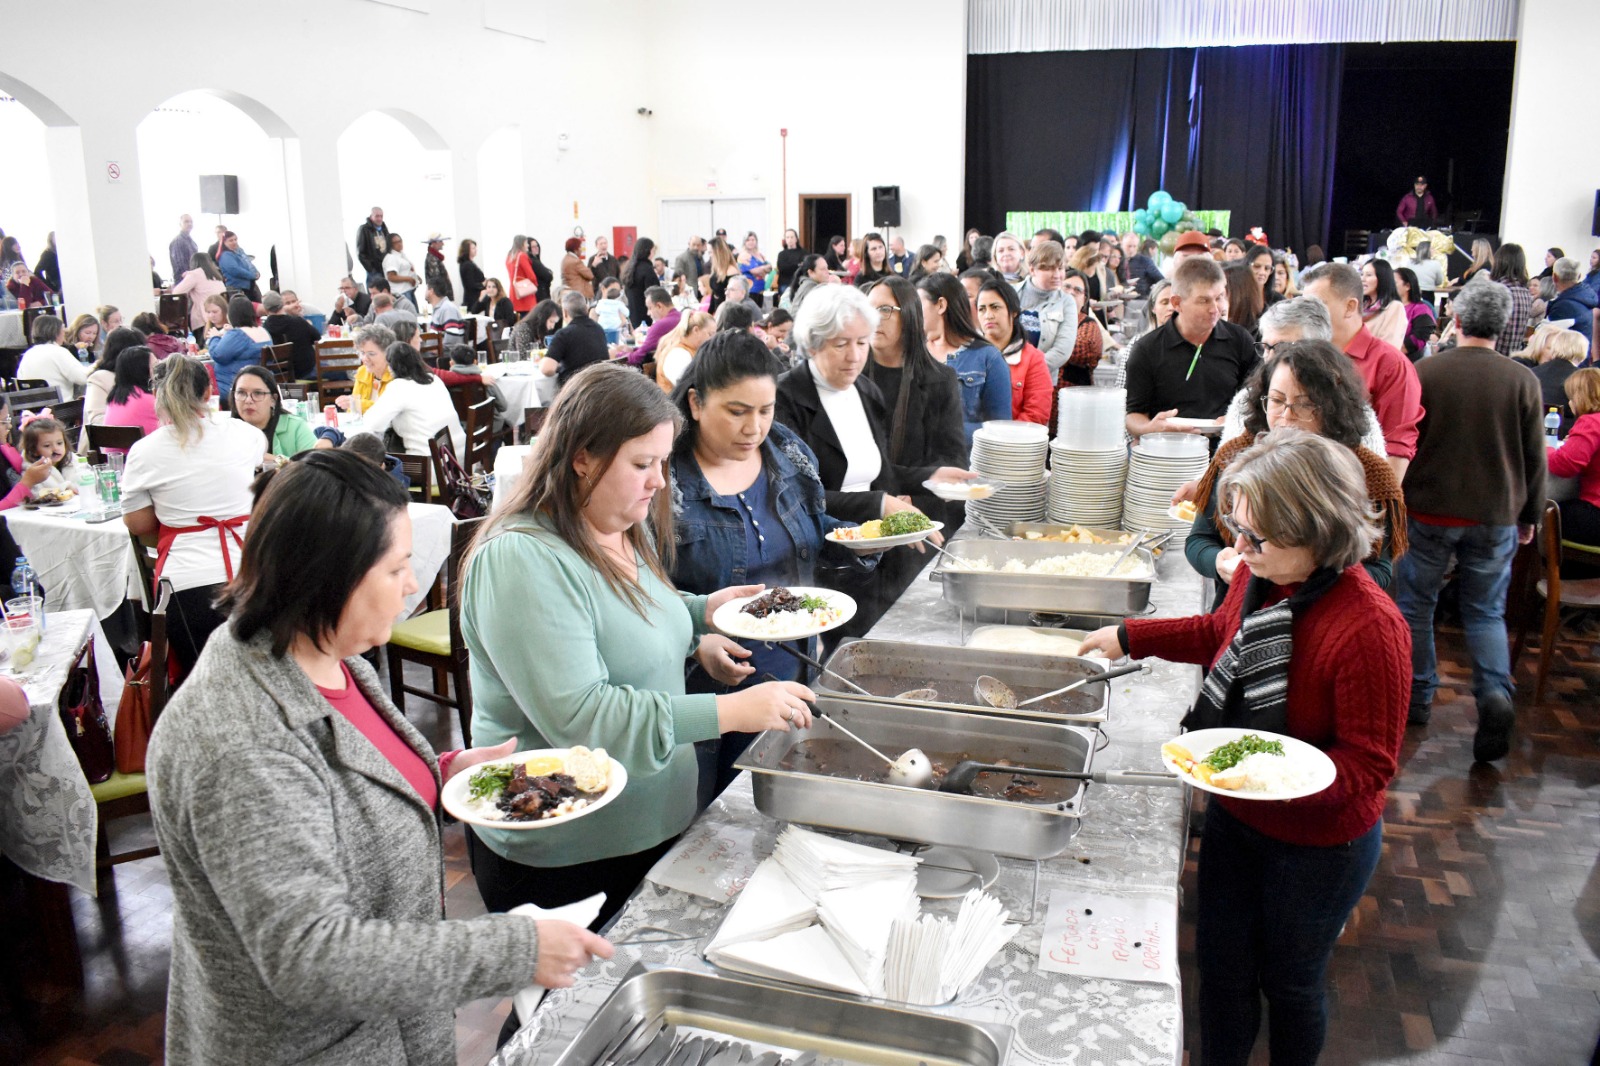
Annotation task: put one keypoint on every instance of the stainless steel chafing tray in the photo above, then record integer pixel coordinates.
(1014, 828)
(972, 589)
(835, 1027)
(1021, 530)
(886, 668)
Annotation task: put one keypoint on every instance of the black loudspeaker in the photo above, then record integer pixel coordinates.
(219, 194)
(886, 205)
(1594, 230)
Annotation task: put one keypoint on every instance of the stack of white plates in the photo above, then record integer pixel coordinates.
(1012, 453)
(1086, 486)
(1160, 463)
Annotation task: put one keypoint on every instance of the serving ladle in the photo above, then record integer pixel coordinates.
(909, 694)
(912, 768)
(998, 694)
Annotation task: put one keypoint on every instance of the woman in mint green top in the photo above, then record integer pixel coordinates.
(576, 636)
(256, 399)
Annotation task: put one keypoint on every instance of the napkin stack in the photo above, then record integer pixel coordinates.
(931, 959)
(843, 916)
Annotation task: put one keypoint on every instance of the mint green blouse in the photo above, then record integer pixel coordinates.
(557, 659)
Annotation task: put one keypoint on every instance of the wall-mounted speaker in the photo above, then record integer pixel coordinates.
(219, 194)
(886, 205)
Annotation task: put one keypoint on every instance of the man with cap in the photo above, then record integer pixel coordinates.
(1417, 206)
(433, 269)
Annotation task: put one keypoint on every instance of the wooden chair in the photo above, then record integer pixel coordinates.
(419, 470)
(448, 472)
(70, 414)
(32, 399)
(433, 639)
(433, 348)
(479, 425)
(532, 422)
(465, 395)
(126, 795)
(114, 437)
(173, 313)
(1577, 595)
(494, 340)
(31, 314)
(30, 384)
(337, 363)
(279, 358)
(467, 334)
(295, 390)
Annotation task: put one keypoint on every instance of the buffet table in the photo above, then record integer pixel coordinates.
(1131, 845)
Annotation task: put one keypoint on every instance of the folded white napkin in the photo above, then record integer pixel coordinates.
(818, 863)
(580, 913)
(769, 905)
(859, 919)
(808, 956)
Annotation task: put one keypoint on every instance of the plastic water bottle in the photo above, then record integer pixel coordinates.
(22, 578)
(1552, 427)
(83, 476)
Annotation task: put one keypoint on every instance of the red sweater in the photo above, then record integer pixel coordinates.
(1349, 684)
(1579, 457)
(1030, 387)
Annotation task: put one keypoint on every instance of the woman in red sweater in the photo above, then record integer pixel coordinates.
(1321, 654)
(1579, 457)
(998, 310)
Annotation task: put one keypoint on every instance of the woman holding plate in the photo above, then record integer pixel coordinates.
(1308, 646)
(297, 810)
(577, 635)
(748, 506)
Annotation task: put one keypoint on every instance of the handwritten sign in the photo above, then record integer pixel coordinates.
(712, 861)
(1090, 935)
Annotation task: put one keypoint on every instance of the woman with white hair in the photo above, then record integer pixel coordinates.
(1008, 256)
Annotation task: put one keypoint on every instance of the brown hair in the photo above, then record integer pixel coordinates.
(1046, 255)
(599, 410)
(1304, 490)
(1583, 390)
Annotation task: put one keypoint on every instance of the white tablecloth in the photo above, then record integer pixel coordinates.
(522, 385)
(84, 565)
(81, 564)
(48, 817)
(430, 547)
(11, 330)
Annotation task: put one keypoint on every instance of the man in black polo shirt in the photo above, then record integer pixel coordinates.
(580, 343)
(1192, 366)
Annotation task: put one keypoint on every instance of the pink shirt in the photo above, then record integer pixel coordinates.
(140, 410)
(361, 714)
(1579, 457)
(1393, 387)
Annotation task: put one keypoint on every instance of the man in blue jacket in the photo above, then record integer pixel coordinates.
(1573, 298)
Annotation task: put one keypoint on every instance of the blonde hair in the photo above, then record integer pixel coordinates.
(1566, 344)
(182, 385)
(691, 321)
(1583, 391)
(1087, 258)
(723, 261)
(1046, 255)
(1305, 491)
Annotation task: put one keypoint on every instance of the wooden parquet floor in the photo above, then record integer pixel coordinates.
(1477, 942)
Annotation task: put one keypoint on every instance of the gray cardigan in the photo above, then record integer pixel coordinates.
(307, 878)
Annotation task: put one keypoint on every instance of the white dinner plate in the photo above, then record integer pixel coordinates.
(1203, 742)
(877, 544)
(1200, 425)
(1178, 516)
(454, 794)
(977, 489)
(730, 619)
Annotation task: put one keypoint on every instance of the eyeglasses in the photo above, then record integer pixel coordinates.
(1256, 541)
(1265, 350)
(888, 309)
(253, 395)
(1303, 409)
(1079, 290)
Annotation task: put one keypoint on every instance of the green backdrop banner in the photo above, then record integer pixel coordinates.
(1026, 223)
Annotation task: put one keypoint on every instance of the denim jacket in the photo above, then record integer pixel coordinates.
(710, 538)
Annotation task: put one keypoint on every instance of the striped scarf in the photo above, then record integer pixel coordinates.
(1249, 686)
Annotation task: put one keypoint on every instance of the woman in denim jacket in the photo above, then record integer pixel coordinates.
(748, 508)
(954, 338)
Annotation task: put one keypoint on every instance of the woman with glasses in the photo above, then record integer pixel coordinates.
(255, 399)
(1313, 387)
(1306, 645)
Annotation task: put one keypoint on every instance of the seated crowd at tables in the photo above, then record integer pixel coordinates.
(716, 416)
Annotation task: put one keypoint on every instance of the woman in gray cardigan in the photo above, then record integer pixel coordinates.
(297, 810)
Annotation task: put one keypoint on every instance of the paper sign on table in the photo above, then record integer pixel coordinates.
(712, 861)
(1118, 938)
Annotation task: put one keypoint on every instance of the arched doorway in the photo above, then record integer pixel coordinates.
(502, 198)
(41, 141)
(210, 132)
(392, 159)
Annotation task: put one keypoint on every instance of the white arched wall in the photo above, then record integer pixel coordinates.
(206, 132)
(392, 159)
(502, 210)
(25, 186)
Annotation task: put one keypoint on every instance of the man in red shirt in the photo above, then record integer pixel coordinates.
(1392, 383)
(1416, 207)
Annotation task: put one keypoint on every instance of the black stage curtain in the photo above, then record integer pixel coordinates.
(1251, 130)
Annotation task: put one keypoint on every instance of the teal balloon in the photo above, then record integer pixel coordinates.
(1158, 227)
(1141, 227)
(1159, 199)
(1172, 212)
(1141, 215)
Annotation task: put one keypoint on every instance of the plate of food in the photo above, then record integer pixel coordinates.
(902, 527)
(1249, 764)
(1183, 512)
(976, 489)
(784, 613)
(535, 789)
(1198, 425)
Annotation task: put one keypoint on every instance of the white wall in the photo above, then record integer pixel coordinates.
(25, 187)
(1553, 154)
